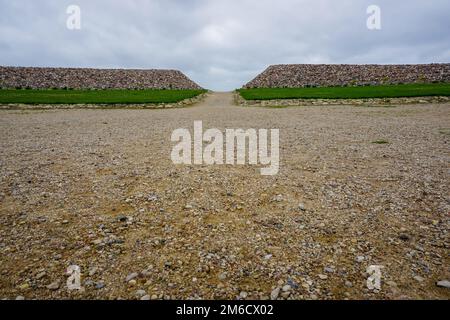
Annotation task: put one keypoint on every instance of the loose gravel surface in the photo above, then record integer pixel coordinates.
(97, 189)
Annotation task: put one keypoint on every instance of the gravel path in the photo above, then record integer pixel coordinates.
(97, 189)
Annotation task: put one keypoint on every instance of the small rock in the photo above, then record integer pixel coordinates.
(243, 295)
(404, 237)
(267, 257)
(141, 293)
(131, 276)
(278, 198)
(360, 259)
(419, 278)
(222, 276)
(99, 285)
(146, 297)
(329, 269)
(275, 293)
(97, 242)
(154, 297)
(286, 288)
(301, 207)
(88, 283)
(286, 294)
(122, 218)
(292, 283)
(444, 284)
(40, 275)
(53, 285)
(323, 277)
(348, 284)
(20, 298)
(132, 282)
(24, 286)
(92, 271)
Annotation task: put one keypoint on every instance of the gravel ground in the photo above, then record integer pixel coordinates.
(97, 189)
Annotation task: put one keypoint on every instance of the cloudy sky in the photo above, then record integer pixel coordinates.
(221, 44)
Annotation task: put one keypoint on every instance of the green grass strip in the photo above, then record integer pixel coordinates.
(60, 96)
(382, 91)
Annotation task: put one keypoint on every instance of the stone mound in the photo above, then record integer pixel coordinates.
(82, 78)
(330, 75)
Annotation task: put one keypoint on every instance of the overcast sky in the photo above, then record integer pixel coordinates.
(221, 44)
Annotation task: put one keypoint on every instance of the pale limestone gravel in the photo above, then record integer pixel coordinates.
(97, 189)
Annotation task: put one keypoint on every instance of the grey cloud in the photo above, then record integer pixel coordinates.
(221, 44)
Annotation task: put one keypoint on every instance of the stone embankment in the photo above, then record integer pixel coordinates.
(79, 78)
(331, 75)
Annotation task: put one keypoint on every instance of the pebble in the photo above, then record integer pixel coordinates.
(286, 288)
(404, 237)
(20, 298)
(99, 285)
(88, 283)
(53, 285)
(24, 286)
(444, 284)
(278, 198)
(292, 283)
(243, 295)
(360, 259)
(122, 218)
(146, 297)
(92, 271)
(222, 276)
(141, 293)
(419, 278)
(97, 241)
(131, 276)
(329, 269)
(275, 293)
(323, 277)
(301, 207)
(132, 282)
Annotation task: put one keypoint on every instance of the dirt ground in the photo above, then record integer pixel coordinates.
(97, 189)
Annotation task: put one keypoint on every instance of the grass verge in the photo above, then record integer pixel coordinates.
(60, 96)
(384, 91)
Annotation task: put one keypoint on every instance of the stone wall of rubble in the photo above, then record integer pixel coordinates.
(322, 75)
(77, 78)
